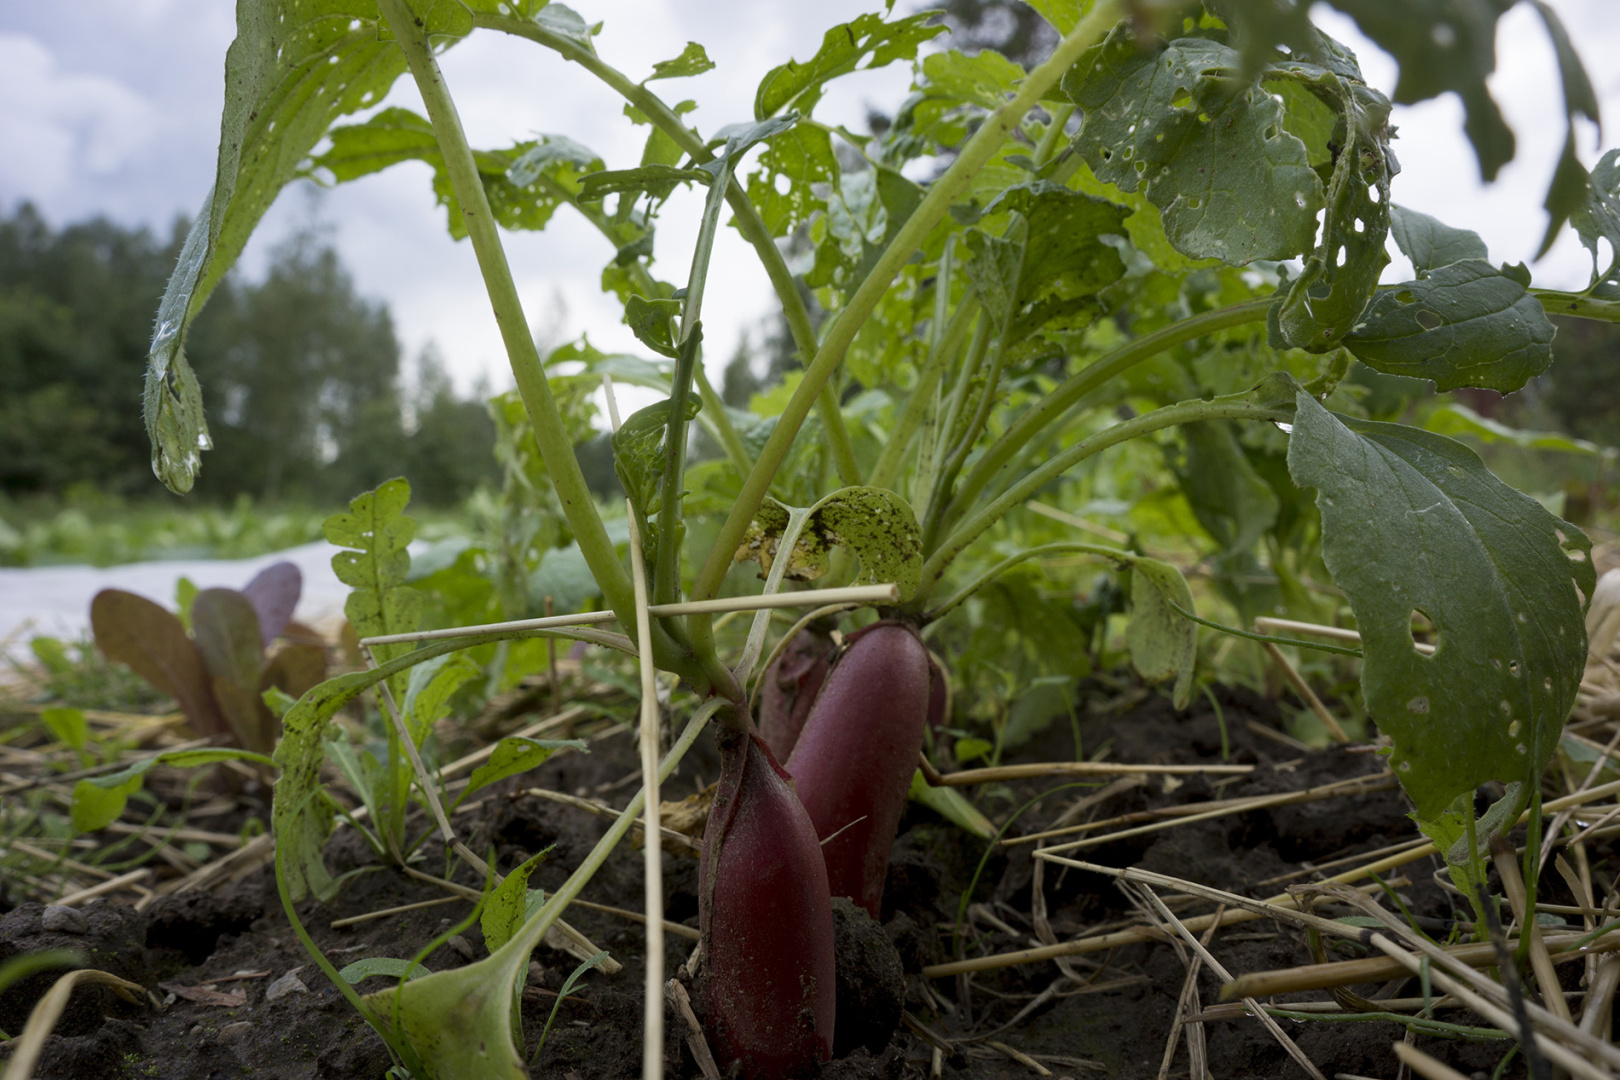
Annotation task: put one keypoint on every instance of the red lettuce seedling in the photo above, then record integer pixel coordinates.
(219, 673)
(853, 764)
(789, 688)
(768, 976)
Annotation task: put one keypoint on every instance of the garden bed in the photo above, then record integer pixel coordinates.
(258, 1006)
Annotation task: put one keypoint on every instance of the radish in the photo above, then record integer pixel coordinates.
(854, 760)
(768, 983)
(789, 688)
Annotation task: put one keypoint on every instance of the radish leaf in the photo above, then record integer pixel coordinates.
(1413, 523)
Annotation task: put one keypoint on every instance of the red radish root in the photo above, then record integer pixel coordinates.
(854, 760)
(768, 981)
(789, 688)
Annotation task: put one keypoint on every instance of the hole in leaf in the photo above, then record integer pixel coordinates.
(1513, 729)
(1546, 684)
(1195, 202)
(1203, 118)
(1271, 132)
(1339, 257)
(1424, 633)
(1107, 154)
(1129, 152)
(1405, 296)
(1429, 320)
(1513, 669)
(1299, 199)
(782, 184)
(1576, 556)
(1361, 226)
(1141, 167)
(1373, 193)
(1419, 704)
(1181, 100)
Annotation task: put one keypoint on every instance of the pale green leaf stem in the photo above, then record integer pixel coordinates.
(1072, 390)
(934, 206)
(747, 215)
(921, 398)
(982, 519)
(549, 430)
(1064, 548)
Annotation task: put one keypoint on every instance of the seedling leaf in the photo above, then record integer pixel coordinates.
(516, 754)
(382, 965)
(381, 603)
(228, 637)
(507, 908)
(68, 725)
(135, 631)
(274, 593)
(99, 800)
(1493, 571)
(1162, 643)
(429, 689)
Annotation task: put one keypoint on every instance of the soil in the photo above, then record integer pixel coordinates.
(1111, 1019)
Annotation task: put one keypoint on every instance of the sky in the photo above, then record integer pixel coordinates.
(112, 108)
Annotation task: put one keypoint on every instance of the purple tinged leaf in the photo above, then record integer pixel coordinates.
(139, 633)
(227, 632)
(274, 593)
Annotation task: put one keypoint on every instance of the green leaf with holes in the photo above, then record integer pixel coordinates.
(866, 42)
(1413, 522)
(1046, 275)
(877, 526)
(380, 531)
(1464, 324)
(1211, 153)
(524, 184)
(692, 61)
(507, 907)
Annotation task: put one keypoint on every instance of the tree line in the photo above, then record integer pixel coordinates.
(307, 400)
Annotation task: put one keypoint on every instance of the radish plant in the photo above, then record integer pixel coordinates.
(1172, 230)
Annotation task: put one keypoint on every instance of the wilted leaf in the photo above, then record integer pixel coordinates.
(206, 995)
(133, 630)
(274, 593)
(293, 69)
(1413, 524)
(1162, 643)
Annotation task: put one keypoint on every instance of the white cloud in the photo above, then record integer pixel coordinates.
(67, 135)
